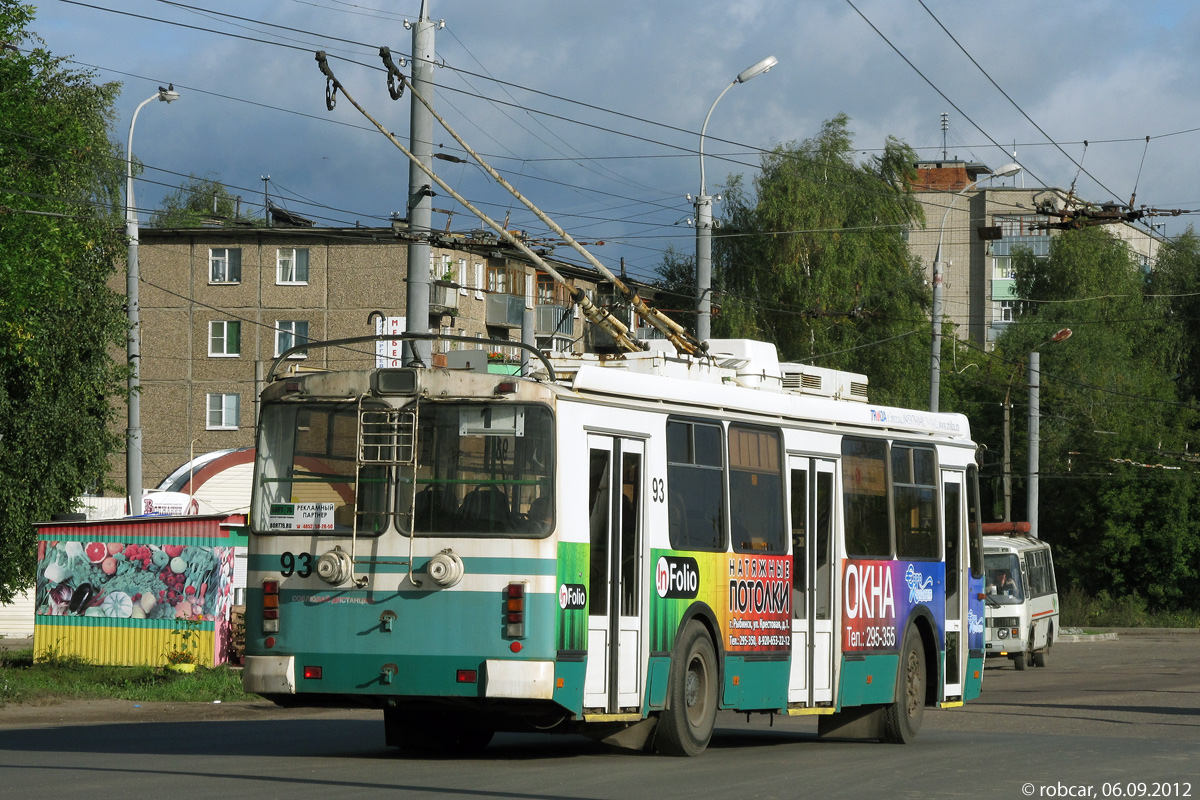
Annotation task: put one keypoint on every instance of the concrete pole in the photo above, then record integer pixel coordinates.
(703, 266)
(935, 364)
(1007, 457)
(528, 323)
(133, 433)
(1034, 434)
(420, 193)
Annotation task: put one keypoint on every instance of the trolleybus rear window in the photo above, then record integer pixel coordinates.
(482, 470)
(438, 469)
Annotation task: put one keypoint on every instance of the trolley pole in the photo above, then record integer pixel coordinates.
(420, 193)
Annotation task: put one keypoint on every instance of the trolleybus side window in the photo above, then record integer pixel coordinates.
(800, 543)
(914, 499)
(695, 495)
(864, 497)
(631, 483)
(975, 520)
(756, 490)
(599, 504)
(824, 542)
(952, 529)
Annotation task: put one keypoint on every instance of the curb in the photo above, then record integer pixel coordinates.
(1110, 636)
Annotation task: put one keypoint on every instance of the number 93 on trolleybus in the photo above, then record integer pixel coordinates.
(614, 546)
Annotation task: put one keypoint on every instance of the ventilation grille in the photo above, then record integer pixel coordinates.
(820, 382)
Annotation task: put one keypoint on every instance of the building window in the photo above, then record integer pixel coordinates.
(291, 265)
(289, 333)
(224, 338)
(223, 412)
(1007, 311)
(1002, 268)
(551, 292)
(225, 265)
(503, 280)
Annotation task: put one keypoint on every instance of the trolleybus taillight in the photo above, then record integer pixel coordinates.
(514, 611)
(270, 606)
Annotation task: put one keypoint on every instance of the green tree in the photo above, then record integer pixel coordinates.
(1109, 422)
(676, 286)
(199, 202)
(1175, 283)
(60, 177)
(815, 260)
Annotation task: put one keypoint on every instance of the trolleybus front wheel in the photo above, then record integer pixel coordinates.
(902, 719)
(686, 725)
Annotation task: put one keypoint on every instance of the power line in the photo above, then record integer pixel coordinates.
(1010, 100)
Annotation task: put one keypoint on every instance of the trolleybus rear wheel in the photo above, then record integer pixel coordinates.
(686, 726)
(902, 719)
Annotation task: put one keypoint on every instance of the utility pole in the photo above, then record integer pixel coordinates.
(1034, 435)
(266, 201)
(1008, 456)
(420, 193)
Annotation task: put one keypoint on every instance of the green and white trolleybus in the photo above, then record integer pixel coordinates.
(619, 546)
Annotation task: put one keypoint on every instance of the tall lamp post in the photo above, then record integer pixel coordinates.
(133, 446)
(935, 364)
(703, 205)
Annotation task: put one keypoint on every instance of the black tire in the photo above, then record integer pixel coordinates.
(1039, 658)
(1022, 659)
(686, 725)
(902, 718)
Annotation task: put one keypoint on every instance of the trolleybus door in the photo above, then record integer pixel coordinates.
(955, 535)
(812, 507)
(613, 679)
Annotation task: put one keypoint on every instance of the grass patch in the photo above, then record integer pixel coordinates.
(1081, 610)
(54, 678)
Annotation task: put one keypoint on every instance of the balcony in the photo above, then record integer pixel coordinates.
(650, 333)
(443, 298)
(552, 319)
(505, 310)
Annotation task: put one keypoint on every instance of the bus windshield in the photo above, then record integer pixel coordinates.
(1003, 572)
(477, 469)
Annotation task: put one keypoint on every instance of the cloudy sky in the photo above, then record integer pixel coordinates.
(594, 109)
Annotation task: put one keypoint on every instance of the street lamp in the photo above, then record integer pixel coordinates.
(703, 205)
(935, 365)
(133, 447)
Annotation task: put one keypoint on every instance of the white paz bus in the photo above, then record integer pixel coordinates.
(1022, 597)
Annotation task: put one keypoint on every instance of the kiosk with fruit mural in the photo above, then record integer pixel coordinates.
(117, 591)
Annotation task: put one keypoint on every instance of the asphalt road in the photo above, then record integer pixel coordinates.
(1110, 718)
